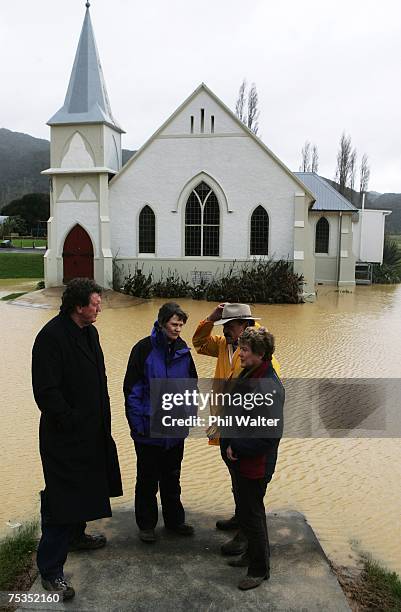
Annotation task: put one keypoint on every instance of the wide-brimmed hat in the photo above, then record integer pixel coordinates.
(235, 311)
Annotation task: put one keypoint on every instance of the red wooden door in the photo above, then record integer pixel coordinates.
(77, 255)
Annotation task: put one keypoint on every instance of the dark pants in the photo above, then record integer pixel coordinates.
(54, 543)
(158, 469)
(252, 520)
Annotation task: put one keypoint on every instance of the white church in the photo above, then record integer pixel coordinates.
(201, 192)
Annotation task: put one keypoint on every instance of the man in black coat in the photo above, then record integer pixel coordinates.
(79, 456)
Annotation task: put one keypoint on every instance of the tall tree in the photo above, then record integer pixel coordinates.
(246, 107)
(364, 175)
(315, 159)
(346, 157)
(253, 112)
(352, 171)
(305, 158)
(309, 158)
(240, 104)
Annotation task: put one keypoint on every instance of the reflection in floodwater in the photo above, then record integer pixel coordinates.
(348, 488)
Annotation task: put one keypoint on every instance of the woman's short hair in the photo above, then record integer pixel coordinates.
(259, 340)
(168, 310)
(77, 293)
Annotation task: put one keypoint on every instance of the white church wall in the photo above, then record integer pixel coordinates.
(246, 174)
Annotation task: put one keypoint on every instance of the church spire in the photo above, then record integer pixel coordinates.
(86, 100)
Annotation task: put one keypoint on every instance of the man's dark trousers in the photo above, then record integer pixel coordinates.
(252, 520)
(54, 543)
(158, 468)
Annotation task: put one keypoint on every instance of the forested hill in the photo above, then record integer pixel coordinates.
(22, 158)
(380, 201)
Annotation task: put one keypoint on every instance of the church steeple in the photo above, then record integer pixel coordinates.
(86, 100)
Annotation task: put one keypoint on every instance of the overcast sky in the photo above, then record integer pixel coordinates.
(320, 67)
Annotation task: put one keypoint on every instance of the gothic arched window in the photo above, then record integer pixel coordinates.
(259, 232)
(322, 236)
(147, 226)
(202, 222)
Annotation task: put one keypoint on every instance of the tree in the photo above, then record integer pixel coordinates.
(253, 113)
(32, 207)
(346, 159)
(305, 158)
(249, 102)
(315, 159)
(352, 170)
(364, 175)
(309, 158)
(240, 104)
(13, 225)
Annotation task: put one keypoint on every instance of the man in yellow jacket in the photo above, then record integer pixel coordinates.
(235, 318)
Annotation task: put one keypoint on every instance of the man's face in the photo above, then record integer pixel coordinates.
(233, 330)
(173, 327)
(88, 314)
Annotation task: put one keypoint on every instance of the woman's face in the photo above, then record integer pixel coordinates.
(173, 327)
(248, 358)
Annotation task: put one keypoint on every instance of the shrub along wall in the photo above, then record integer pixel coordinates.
(256, 281)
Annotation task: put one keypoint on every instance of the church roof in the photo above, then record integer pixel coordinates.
(327, 198)
(86, 100)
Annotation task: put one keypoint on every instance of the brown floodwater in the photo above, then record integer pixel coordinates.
(348, 489)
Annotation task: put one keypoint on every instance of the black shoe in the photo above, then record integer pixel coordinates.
(183, 529)
(147, 535)
(88, 542)
(236, 546)
(242, 561)
(227, 525)
(60, 586)
(251, 582)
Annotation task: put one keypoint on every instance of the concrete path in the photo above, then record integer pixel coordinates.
(51, 298)
(179, 574)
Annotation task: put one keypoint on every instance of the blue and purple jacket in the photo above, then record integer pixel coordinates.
(153, 357)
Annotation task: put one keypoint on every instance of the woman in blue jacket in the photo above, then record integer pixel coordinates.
(162, 355)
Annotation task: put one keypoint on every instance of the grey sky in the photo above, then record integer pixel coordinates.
(320, 68)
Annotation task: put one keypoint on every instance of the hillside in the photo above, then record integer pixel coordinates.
(380, 201)
(22, 158)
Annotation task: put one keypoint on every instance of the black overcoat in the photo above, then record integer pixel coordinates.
(79, 456)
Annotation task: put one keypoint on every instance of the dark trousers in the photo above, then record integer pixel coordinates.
(158, 469)
(240, 536)
(252, 520)
(54, 543)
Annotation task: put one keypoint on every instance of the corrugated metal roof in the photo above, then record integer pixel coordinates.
(86, 100)
(327, 198)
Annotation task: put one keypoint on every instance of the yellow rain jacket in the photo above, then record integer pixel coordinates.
(228, 363)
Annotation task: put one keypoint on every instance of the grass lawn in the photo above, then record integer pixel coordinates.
(21, 265)
(21, 243)
(16, 567)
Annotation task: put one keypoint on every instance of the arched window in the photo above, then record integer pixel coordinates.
(322, 236)
(147, 230)
(259, 232)
(202, 222)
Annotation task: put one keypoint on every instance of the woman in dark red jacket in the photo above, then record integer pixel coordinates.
(252, 455)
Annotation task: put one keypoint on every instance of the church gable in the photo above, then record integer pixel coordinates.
(201, 115)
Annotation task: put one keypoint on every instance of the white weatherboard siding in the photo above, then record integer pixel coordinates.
(368, 233)
(245, 173)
